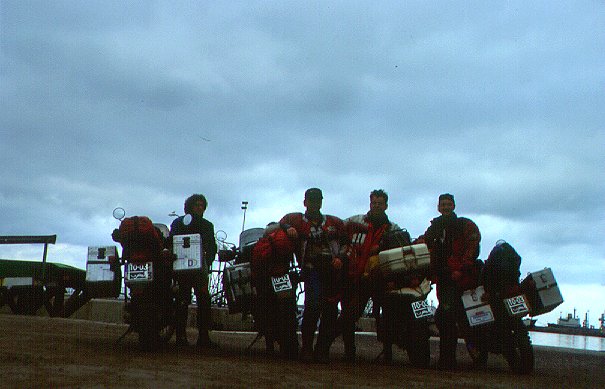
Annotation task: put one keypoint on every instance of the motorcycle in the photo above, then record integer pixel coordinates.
(150, 304)
(505, 333)
(405, 323)
(260, 284)
(401, 275)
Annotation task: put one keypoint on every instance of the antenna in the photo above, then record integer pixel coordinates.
(244, 207)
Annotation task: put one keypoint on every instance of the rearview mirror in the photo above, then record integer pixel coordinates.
(119, 213)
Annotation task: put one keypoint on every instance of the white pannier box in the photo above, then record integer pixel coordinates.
(542, 291)
(477, 311)
(188, 251)
(402, 260)
(103, 272)
(237, 285)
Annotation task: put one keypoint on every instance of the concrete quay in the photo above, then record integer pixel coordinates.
(111, 311)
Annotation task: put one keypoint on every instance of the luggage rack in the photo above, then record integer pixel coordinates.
(26, 286)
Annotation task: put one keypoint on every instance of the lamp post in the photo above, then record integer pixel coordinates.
(244, 207)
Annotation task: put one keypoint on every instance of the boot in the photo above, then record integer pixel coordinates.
(181, 337)
(447, 355)
(388, 354)
(181, 325)
(306, 352)
(269, 345)
(321, 354)
(204, 341)
(203, 322)
(349, 353)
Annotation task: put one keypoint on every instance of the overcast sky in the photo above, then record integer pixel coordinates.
(140, 104)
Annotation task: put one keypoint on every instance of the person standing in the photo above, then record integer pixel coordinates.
(370, 233)
(321, 244)
(195, 205)
(454, 247)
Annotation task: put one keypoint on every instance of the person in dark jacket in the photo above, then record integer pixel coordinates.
(195, 206)
(454, 246)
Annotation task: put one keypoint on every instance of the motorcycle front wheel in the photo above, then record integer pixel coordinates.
(518, 350)
(148, 329)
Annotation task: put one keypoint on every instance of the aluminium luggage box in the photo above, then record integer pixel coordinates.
(542, 291)
(188, 251)
(406, 259)
(237, 286)
(247, 241)
(478, 312)
(103, 272)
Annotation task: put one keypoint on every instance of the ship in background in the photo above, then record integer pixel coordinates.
(570, 325)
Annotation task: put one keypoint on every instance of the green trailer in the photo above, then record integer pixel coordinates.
(26, 286)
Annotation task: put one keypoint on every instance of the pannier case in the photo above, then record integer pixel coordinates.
(188, 251)
(477, 311)
(103, 272)
(238, 287)
(247, 240)
(542, 291)
(404, 259)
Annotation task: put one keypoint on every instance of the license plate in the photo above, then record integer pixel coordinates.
(480, 315)
(281, 284)
(516, 306)
(421, 309)
(139, 272)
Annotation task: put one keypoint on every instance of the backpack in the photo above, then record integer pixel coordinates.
(140, 239)
(501, 268)
(272, 254)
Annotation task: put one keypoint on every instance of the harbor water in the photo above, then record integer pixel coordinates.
(578, 342)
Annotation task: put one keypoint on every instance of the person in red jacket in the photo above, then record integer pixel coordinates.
(321, 245)
(370, 233)
(454, 246)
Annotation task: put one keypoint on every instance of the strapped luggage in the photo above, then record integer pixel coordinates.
(403, 260)
(237, 287)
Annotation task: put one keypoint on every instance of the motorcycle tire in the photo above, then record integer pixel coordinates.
(417, 345)
(418, 353)
(519, 352)
(148, 328)
(26, 301)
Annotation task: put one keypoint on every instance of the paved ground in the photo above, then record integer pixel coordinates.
(40, 352)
